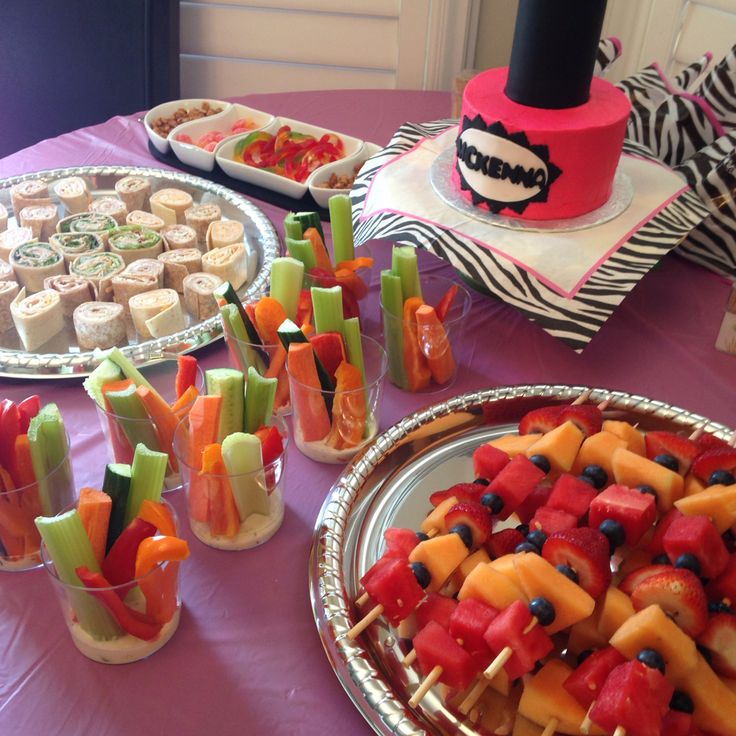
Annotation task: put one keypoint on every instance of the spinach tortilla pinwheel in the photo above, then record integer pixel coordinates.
(34, 262)
(99, 268)
(73, 245)
(87, 222)
(132, 242)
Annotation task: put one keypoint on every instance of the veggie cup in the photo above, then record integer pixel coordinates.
(118, 624)
(234, 511)
(423, 349)
(19, 539)
(332, 426)
(123, 430)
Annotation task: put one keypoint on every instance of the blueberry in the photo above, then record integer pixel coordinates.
(568, 572)
(523, 528)
(584, 655)
(543, 610)
(465, 533)
(537, 538)
(647, 489)
(587, 479)
(541, 462)
(661, 560)
(719, 607)
(652, 659)
(597, 474)
(482, 481)
(493, 502)
(526, 547)
(721, 478)
(682, 701)
(421, 573)
(688, 561)
(667, 461)
(422, 537)
(613, 531)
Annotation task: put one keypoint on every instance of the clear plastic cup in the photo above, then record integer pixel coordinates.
(233, 512)
(20, 541)
(122, 433)
(439, 348)
(332, 426)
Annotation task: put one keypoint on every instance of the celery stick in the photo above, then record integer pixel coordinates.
(353, 344)
(260, 393)
(49, 450)
(341, 219)
(392, 302)
(404, 265)
(230, 384)
(234, 326)
(327, 308)
(117, 485)
(287, 275)
(303, 251)
(133, 418)
(147, 475)
(106, 372)
(69, 547)
(129, 370)
(310, 219)
(293, 227)
(241, 453)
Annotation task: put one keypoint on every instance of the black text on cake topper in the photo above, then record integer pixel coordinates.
(501, 169)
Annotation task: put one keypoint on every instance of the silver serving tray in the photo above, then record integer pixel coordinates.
(389, 484)
(68, 361)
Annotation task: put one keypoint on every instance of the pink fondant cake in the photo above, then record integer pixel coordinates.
(534, 163)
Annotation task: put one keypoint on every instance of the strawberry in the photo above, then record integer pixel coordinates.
(669, 443)
(462, 491)
(718, 458)
(504, 542)
(679, 593)
(719, 637)
(656, 546)
(586, 551)
(472, 514)
(586, 417)
(724, 586)
(540, 420)
(633, 579)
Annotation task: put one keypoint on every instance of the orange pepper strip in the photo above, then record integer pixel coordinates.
(321, 256)
(434, 344)
(154, 550)
(22, 470)
(348, 409)
(159, 588)
(269, 314)
(158, 514)
(222, 514)
(182, 405)
(355, 264)
(415, 364)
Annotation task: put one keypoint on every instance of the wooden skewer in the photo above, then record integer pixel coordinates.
(587, 723)
(429, 681)
(582, 398)
(494, 667)
(530, 625)
(473, 696)
(620, 731)
(551, 727)
(365, 622)
(410, 658)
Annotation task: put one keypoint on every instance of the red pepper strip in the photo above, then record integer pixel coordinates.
(9, 430)
(159, 515)
(352, 282)
(186, 373)
(154, 550)
(134, 623)
(28, 408)
(271, 443)
(323, 278)
(119, 565)
(350, 307)
(443, 307)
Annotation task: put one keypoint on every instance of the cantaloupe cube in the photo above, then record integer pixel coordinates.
(633, 470)
(651, 628)
(715, 702)
(631, 435)
(496, 710)
(491, 587)
(505, 565)
(693, 485)
(525, 727)
(611, 611)
(598, 450)
(560, 446)
(585, 635)
(515, 444)
(480, 556)
(729, 683)
(718, 502)
(545, 698)
(440, 555)
(435, 520)
(540, 578)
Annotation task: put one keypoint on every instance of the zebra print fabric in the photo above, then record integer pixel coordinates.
(609, 49)
(718, 89)
(575, 321)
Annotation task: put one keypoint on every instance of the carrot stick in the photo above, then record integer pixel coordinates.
(181, 406)
(94, 510)
(321, 256)
(434, 344)
(269, 314)
(223, 514)
(348, 410)
(164, 421)
(204, 423)
(310, 409)
(22, 470)
(415, 364)
(278, 369)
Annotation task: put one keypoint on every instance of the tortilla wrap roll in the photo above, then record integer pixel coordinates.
(73, 193)
(87, 222)
(42, 219)
(179, 236)
(99, 268)
(170, 204)
(126, 285)
(37, 318)
(99, 325)
(110, 206)
(132, 242)
(8, 291)
(73, 245)
(178, 264)
(73, 291)
(6, 272)
(224, 232)
(200, 217)
(230, 263)
(135, 191)
(145, 219)
(150, 266)
(198, 298)
(27, 193)
(33, 262)
(3, 218)
(157, 313)
(10, 238)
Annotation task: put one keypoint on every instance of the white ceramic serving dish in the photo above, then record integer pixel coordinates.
(296, 190)
(343, 167)
(193, 155)
(167, 108)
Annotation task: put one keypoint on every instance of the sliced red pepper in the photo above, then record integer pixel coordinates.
(186, 373)
(323, 278)
(28, 408)
(272, 444)
(119, 564)
(9, 430)
(350, 307)
(443, 307)
(132, 622)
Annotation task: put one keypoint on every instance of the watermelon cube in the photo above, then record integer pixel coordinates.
(724, 586)
(538, 497)
(551, 520)
(634, 697)
(393, 586)
(399, 542)
(678, 723)
(697, 535)
(585, 682)
(655, 545)
(436, 647)
(437, 608)
(507, 630)
(634, 510)
(514, 483)
(571, 494)
(468, 623)
(489, 461)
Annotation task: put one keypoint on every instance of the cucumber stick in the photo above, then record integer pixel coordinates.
(260, 393)
(70, 548)
(106, 372)
(288, 332)
(230, 384)
(116, 484)
(341, 220)
(225, 294)
(327, 308)
(404, 265)
(392, 303)
(245, 354)
(241, 453)
(310, 219)
(132, 416)
(147, 475)
(287, 276)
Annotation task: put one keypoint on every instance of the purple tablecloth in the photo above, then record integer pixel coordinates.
(247, 657)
